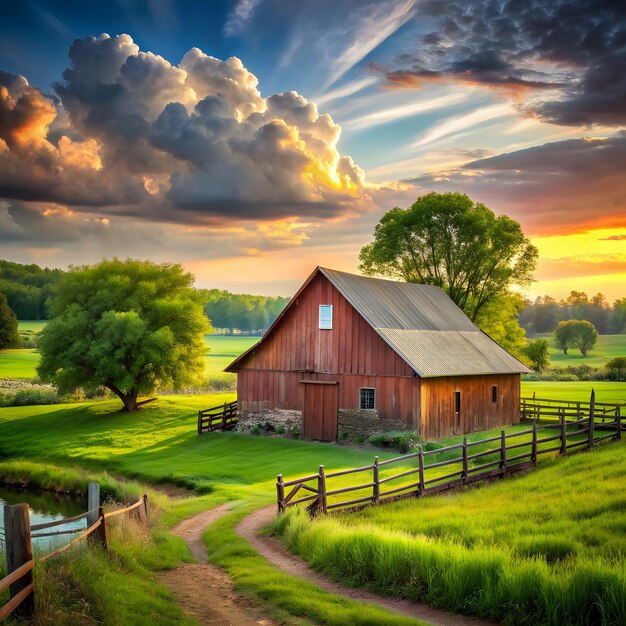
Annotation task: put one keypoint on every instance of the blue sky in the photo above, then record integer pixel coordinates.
(520, 105)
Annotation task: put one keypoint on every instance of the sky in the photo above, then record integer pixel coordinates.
(252, 140)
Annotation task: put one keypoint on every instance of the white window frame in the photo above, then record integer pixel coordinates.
(326, 324)
(362, 408)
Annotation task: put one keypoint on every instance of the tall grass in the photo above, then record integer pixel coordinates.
(545, 548)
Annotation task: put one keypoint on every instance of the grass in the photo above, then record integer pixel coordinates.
(577, 391)
(547, 547)
(85, 586)
(159, 444)
(221, 350)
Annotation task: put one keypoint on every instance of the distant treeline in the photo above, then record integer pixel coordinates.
(544, 313)
(28, 289)
(242, 312)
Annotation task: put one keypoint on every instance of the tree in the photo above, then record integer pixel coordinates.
(9, 333)
(538, 353)
(617, 367)
(563, 336)
(129, 326)
(451, 242)
(498, 318)
(579, 334)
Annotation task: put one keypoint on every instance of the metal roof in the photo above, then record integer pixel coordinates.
(422, 324)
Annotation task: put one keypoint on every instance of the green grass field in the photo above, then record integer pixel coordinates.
(547, 547)
(607, 348)
(606, 391)
(222, 350)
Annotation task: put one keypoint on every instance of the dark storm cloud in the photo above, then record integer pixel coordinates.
(557, 187)
(577, 47)
(190, 143)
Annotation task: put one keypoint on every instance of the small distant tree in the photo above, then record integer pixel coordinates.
(617, 367)
(9, 333)
(563, 336)
(538, 354)
(585, 335)
(129, 326)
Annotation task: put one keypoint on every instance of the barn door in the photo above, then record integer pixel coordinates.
(320, 411)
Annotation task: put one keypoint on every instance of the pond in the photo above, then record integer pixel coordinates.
(44, 507)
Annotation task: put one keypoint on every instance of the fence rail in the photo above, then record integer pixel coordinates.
(222, 417)
(506, 453)
(18, 539)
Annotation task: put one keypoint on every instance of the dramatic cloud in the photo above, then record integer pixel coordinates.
(569, 55)
(565, 186)
(193, 143)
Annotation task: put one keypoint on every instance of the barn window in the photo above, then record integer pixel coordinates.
(494, 394)
(367, 398)
(457, 402)
(326, 316)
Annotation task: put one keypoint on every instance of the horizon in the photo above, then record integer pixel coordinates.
(193, 148)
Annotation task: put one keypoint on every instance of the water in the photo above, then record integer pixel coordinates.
(44, 507)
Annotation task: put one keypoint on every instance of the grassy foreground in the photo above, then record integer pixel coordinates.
(160, 444)
(547, 547)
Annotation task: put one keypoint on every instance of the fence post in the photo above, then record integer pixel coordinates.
(100, 534)
(503, 451)
(592, 415)
(140, 513)
(280, 493)
(618, 419)
(563, 431)
(321, 488)
(533, 450)
(145, 506)
(199, 422)
(93, 502)
(524, 409)
(420, 458)
(376, 491)
(465, 464)
(19, 551)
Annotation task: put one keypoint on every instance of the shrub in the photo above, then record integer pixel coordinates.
(403, 441)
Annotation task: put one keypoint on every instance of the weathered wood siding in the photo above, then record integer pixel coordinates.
(351, 353)
(478, 412)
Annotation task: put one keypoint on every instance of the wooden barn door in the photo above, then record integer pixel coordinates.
(320, 410)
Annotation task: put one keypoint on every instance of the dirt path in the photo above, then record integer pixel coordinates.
(273, 551)
(203, 590)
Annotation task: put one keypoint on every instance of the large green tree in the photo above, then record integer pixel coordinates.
(617, 367)
(450, 241)
(579, 334)
(129, 326)
(9, 333)
(538, 353)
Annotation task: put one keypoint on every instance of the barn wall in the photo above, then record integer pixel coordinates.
(351, 347)
(397, 398)
(478, 412)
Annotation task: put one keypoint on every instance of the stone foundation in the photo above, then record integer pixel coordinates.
(365, 422)
(288, 419)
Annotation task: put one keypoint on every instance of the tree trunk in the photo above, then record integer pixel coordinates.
(583, 351)
(129, 399)
(564, 350)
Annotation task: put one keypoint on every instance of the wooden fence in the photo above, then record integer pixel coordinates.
(222, 417)
(542, 409)
(505, 453)
(18, 538)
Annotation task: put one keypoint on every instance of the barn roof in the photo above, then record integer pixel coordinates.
(421, 324)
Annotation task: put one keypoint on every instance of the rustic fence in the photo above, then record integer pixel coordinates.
(19, 551)
(505, 453)
(542, 409)
(222, 417)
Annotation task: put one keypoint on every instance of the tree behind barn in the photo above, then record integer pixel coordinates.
(129, 326)
(449, 241)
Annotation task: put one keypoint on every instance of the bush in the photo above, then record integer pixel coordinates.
(403, 441)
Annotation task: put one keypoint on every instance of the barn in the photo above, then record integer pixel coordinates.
(352, 355)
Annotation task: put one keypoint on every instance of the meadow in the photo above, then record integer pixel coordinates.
(606, 348)
(221, 350)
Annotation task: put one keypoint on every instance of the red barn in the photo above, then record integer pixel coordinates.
(358, 355)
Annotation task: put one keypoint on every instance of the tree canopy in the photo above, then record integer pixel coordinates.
(450, 241)
(9, 333)
(579, 334)
(538, 353)
(129, 326)
(617, 367)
